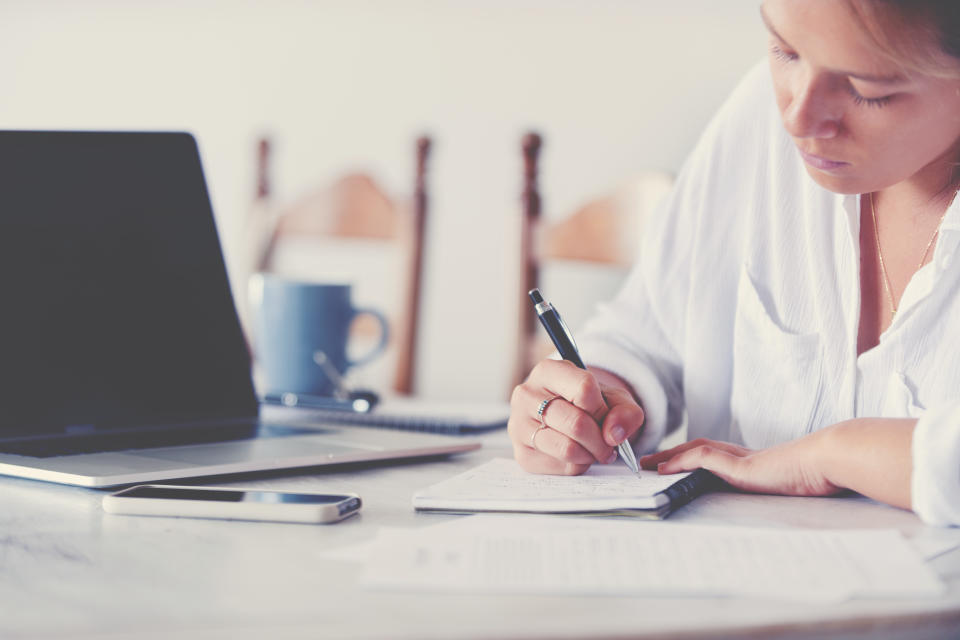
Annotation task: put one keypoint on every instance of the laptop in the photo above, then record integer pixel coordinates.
(121, 355)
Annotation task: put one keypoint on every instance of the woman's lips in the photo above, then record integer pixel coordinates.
(821, 163)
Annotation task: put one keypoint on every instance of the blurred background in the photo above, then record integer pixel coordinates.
(614, 87)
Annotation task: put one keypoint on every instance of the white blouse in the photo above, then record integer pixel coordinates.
(743, 309)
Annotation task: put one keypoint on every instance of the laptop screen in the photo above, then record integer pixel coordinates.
(116, 309)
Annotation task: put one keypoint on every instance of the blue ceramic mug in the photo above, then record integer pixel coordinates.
(302, 329)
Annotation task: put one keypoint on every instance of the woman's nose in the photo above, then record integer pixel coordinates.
(813, 110)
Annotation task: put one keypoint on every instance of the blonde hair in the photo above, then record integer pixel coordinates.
(917, 35)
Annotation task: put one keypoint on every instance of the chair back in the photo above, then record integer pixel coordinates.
(581, 259)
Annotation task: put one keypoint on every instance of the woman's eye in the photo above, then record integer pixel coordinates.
(780, 54)
(870, 102)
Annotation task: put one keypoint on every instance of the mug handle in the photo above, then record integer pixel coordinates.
(384, 336)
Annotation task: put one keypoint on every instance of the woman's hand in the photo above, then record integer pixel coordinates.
(793, 468)
(587, 415)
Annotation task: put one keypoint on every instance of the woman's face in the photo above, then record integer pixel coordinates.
(860, 123)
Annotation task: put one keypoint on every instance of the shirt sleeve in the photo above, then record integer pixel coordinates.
(935, 479)
(627, 335)
(641, 335)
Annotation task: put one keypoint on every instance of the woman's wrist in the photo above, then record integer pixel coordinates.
(827, 453)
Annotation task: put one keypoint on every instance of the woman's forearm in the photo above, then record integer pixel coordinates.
(872, 456)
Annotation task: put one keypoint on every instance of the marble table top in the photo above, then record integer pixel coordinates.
(68, 569)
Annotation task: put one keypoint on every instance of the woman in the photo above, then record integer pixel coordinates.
(797, 296)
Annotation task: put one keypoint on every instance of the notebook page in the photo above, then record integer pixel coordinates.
(574, 556)
(503, 482)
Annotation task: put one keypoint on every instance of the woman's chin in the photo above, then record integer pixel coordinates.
(846, 185)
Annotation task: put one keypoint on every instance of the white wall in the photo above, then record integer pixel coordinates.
(614, 85)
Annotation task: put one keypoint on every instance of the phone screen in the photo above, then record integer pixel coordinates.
(210, 495)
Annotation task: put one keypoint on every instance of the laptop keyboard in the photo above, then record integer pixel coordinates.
(73, 445)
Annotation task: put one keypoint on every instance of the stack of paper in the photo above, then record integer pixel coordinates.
(563, 555)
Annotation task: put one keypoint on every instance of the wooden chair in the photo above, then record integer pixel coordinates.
(355, 225)
(587, 254)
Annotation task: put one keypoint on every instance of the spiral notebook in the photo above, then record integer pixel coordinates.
(502, 486)
(405, 414)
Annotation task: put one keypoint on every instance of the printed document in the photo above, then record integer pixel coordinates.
(566, 555)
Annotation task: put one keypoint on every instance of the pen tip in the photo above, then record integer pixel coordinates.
(535, 295)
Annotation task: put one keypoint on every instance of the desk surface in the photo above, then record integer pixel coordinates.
(69, 569)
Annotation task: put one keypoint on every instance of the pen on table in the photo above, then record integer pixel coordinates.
(567, 348)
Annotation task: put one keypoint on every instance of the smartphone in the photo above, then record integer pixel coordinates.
(231, 504)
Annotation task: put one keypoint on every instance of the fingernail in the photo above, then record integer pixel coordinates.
(613, 457)
(619, 434)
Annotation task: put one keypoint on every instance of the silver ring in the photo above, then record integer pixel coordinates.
(543, 425)
(533, 436)
(543, 407)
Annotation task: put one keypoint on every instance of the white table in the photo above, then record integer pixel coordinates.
(67, 569)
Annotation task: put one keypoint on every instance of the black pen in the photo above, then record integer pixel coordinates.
(567, 348)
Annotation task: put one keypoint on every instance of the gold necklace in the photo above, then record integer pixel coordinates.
(883, 266)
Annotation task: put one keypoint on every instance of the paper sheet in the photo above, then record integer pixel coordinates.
(931, 542)
(503, 482)
(541, 554)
